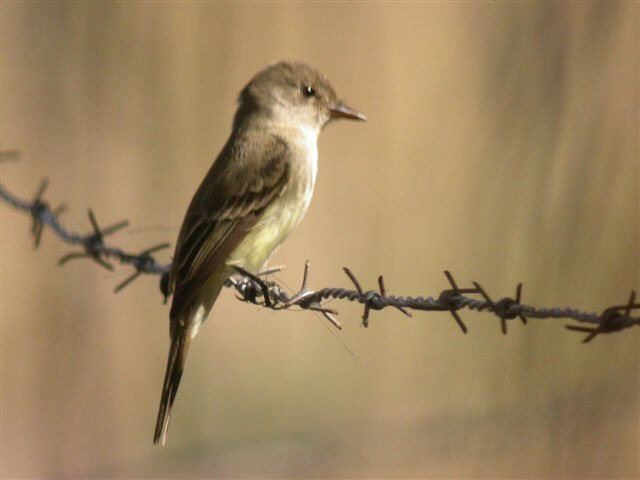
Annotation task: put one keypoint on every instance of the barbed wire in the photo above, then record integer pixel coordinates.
(257, 290)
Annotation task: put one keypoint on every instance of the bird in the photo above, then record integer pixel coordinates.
(255, 193)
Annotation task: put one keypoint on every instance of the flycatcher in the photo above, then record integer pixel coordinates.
(255, 193)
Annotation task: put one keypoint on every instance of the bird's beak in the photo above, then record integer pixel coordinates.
(340, 110)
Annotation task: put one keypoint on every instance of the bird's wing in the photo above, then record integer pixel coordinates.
(243, 181)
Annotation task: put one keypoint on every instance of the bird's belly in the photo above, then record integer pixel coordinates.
(275, 225)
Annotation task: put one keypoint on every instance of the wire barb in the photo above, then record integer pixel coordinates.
(450, 299)
(38, 207)
(141, 261)
(503, 309)
(383, 293)
(367, 305)
(523, 319)
(93, 244)
(613, 319)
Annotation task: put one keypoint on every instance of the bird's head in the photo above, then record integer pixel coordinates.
(293, 93)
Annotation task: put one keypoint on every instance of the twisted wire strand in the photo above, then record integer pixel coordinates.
(254, 289)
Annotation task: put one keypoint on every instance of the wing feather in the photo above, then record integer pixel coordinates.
(227, 205)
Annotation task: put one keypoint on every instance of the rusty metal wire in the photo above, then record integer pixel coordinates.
(255, 289)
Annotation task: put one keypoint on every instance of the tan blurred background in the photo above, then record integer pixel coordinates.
(502, 145)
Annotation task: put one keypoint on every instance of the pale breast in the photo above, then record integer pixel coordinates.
(286, 211)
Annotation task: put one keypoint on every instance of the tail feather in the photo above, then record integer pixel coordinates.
(175, 366)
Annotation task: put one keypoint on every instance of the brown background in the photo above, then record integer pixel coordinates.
(502, 145)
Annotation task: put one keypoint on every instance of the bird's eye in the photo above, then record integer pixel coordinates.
(308, 91)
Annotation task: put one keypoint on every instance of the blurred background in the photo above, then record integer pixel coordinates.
(502, 145)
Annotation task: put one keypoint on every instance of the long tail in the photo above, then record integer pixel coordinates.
(180, 343)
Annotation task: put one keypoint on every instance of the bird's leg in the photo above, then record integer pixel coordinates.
(264, 288)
